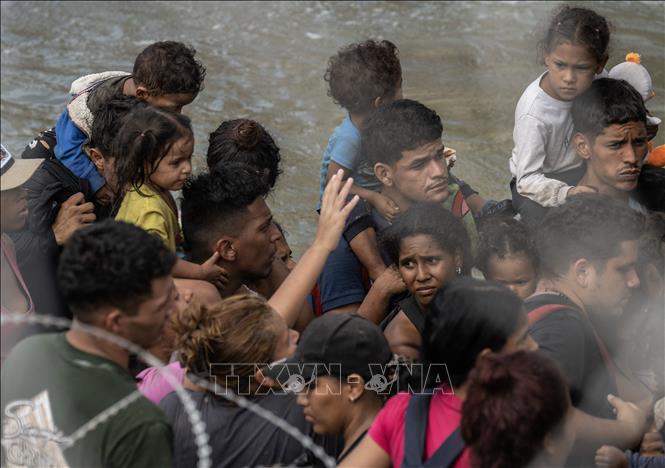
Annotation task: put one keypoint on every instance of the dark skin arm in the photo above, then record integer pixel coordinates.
(403, 337)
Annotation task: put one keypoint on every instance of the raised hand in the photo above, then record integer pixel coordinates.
(334, 211)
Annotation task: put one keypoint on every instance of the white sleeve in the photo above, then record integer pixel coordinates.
(530, 137)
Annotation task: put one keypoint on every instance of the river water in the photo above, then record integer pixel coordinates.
(468, 60)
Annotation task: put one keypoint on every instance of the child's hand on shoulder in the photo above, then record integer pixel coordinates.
(391, 281)
(213, 273)
(610, 457)
(385, 206)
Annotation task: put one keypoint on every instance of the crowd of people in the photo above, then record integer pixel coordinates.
(424, 326)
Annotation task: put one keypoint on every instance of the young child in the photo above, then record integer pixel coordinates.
(544, 164)
(165, 75)
(507, 255)
(157, 148)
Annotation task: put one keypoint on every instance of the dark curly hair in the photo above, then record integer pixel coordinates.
(215, 203)
(111, 263)
(588, 225)
(245, 141)
(513, 402)
(144, 140)
(169, 67)
(579, 26)
(435, 221)
(505, 236)
(400, 126)
(607, 102)
(109, 118)
(362, 72)
(466, 317)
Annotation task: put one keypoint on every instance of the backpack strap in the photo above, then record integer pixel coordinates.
(448, 452)
(415, 431)
(543, 311)
(413, 313)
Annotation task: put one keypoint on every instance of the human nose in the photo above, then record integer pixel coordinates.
(301, 399)
(274, 233)
(633, 279)
(568, 75)
(422, 272)
(631, 155)
(187, 167)
(438, 168)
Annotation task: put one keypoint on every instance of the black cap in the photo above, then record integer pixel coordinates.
(334, 344)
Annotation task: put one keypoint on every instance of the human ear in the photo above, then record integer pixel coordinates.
(582, 272)
(112, 321)
(142, 92)
(97, 159)
(355, 387)
(225, 248)
(384, 173)
(582, 145)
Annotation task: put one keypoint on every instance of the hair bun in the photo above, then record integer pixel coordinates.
(633, 57)
(494, 374)
(246, 134)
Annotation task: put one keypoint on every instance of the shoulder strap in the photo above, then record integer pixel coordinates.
(415, 429)
(460, 207)
(414, 313)
(448, 452)
(543, 311)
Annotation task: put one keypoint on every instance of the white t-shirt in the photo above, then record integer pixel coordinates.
(543, 144)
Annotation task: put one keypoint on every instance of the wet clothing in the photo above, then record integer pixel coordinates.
(71, 389)
(36, 248)
(238, 437)
(445, 414)
(342, 281)
(344, 149)
(567, 336)
(75, 123)
(542, 139)
(149, 211)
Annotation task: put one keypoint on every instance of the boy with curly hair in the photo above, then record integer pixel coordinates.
(165, 75)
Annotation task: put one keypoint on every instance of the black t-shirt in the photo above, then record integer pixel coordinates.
(238, 437)
(566, 336)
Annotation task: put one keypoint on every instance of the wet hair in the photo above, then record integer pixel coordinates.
(144, 140)
(466, 317)
(503, 237)
(433, 220)
(400, 126)
(587, 226)
(361, 72)
(240, 329)
(111, 263)
(245, 141)
(169, 67)
(578, 26)
(649, 191)
(215, 203)
(607, 102)
(513, 402)
(109, 118)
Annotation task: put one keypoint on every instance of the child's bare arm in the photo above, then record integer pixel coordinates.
(208, 271)
(366, 248)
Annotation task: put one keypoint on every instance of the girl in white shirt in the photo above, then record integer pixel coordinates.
(544, 164)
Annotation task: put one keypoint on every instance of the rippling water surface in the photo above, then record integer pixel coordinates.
(468, 60)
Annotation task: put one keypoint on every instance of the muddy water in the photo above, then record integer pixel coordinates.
(468, 60)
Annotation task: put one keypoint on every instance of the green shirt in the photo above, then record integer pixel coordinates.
(66, 391)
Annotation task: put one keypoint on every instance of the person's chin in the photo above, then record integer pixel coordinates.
(439, 196)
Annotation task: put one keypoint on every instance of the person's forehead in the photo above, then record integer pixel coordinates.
(622, 130)
(258, 210)
(427, 149)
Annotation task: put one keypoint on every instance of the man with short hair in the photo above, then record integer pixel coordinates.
(402, 141)
(611, 136)
(588, 254)
(226, 211)
(75, 387)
